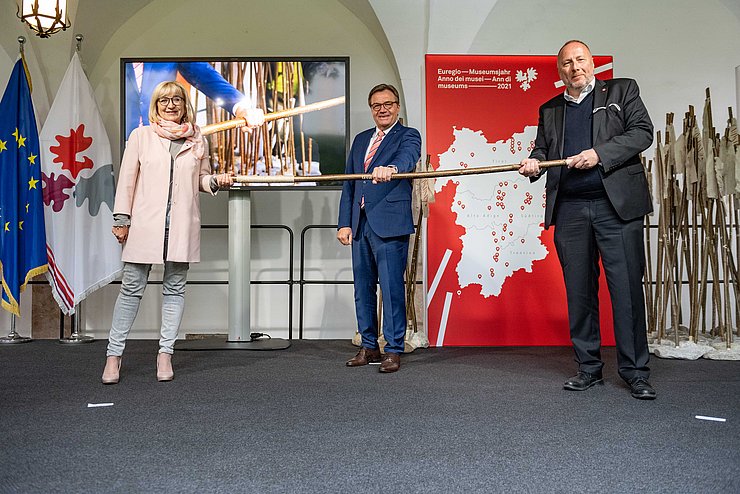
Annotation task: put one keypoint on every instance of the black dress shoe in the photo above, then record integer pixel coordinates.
(640, 388)
(582, 381)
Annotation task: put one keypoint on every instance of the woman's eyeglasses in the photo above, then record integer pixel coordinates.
(176, 100)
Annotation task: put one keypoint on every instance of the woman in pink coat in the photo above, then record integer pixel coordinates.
(157, 218)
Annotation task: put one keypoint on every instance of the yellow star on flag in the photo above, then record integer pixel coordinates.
(20, 225)
(32, 159)
(32, 183)
(27, 204)
(7, 226)
(15, 134)
(21, 141)
(2, 145)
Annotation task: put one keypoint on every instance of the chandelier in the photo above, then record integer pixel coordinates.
(45, 17)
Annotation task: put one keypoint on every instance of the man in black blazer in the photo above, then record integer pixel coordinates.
(375, 218)
(597, 204)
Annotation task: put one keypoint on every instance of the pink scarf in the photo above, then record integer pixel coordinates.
(172, 131)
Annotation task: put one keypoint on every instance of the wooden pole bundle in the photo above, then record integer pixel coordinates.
(696, 185)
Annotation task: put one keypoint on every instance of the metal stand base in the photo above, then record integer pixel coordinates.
(214, 344)
(13, 339)
(76, 339)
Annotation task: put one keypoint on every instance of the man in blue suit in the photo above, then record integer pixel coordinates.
(375, 218)
(202, 75)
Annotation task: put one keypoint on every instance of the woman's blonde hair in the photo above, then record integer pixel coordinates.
(171, 88)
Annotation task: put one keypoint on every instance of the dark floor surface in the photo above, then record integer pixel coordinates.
(298, 420)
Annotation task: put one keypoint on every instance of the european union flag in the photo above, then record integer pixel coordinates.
(22, 234)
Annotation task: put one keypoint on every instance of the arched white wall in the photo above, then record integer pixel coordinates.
(673, 49)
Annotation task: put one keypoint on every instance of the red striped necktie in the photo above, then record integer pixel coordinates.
(370, 154)
(373, 149)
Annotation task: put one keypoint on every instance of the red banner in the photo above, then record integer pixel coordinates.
(493, 277)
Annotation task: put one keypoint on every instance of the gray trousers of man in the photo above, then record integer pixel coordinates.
(133, 284)
(584, 231)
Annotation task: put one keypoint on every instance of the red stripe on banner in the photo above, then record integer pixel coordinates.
(61, 285)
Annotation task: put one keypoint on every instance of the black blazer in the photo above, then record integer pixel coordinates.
(621, 131)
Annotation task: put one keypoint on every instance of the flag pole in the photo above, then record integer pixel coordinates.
(13, 337)
(77, 320)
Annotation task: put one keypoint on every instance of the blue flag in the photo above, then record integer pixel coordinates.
(22, 233)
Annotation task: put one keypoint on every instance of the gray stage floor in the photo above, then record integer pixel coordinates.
(298, 420)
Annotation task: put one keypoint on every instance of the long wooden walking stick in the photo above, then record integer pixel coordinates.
(287, 179)
(411, 269)
(647, 279)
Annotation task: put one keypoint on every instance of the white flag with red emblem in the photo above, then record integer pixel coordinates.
(77, 173)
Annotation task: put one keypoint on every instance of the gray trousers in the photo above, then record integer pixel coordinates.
(127, 305)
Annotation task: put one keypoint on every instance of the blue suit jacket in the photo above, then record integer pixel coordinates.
(388, 204)
(200, 74)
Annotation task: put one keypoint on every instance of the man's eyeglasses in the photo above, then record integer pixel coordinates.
(386, 104)
(176, 100)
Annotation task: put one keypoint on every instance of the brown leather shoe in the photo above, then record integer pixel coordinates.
(391, 362)
(364, 356)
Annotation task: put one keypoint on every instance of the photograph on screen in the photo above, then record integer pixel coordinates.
(304, 101)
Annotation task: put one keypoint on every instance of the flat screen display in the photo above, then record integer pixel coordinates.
(305, 144)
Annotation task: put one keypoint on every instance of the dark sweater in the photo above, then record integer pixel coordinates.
(579, 184)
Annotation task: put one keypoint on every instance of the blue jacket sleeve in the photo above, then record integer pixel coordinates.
(348, 194)
(409, 151)
(207, 80)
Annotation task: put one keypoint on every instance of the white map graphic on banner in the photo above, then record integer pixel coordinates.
(502, 213)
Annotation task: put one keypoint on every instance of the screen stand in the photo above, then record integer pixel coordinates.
(240, 251)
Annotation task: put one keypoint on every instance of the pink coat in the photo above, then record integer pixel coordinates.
(143, 186)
